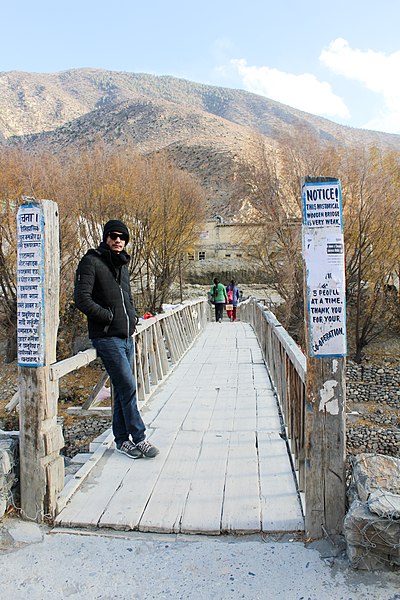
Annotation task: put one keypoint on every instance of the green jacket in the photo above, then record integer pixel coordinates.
(218, 293)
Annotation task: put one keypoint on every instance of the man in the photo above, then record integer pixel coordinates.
(103, 294)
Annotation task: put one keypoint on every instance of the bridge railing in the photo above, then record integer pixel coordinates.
(160, 343)
(287, 368)
(312, 397)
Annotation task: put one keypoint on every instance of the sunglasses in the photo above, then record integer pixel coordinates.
(122, 236)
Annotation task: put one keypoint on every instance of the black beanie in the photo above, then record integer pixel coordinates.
(115, 226)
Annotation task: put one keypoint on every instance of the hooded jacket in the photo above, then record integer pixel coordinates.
(103, 293)
(219, 294)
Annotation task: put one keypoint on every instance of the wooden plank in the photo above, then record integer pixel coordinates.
(178, 337)
(260, 376)
(63, 367)
(204, 375)
(91, 500)
(185, 327)
(141, 393)
(192, 312)
(13, 403)
(280, 503)
(244, 356)
(169, 336)
(157, 345)
(91, 401)
(161, 348)
(127, 505)
(203, 508)
(245, 374)
(242, 508)
(245, 418)
(200, 412)
(225, 376)
(145, 363)
(80, 476)
(166, 505)
(183, 331)
(267, 411)
(224, 411)
(192, 322)
(173, 413)
(152, 356)
(256, 355)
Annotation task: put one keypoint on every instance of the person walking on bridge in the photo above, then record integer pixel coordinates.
(103, 293)
(219, 298)
(233, 294)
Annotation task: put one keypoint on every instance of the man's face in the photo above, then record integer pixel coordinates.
(116, 241)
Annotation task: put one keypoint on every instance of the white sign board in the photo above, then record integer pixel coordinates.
(323, 252)
(30, 286)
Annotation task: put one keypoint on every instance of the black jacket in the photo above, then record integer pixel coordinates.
(103, 294)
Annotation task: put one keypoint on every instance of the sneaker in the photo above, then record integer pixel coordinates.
(147, 449)
(129, 449)
(219, 320)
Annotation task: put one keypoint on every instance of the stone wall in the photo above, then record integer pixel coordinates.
(373, 415)
(372, 383)
(84, 430)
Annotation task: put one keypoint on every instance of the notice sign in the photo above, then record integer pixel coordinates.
(30, 285)
(323, 252)
(322, 205)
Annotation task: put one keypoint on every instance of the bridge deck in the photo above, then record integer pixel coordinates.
(222, 468)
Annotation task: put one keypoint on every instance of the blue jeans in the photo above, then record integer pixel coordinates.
(117, 356)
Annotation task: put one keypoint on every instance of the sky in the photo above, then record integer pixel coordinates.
(339, 59)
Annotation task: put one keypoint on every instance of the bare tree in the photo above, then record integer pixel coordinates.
(370, 184)
(372, 236)
(161, 205)
(272, 185)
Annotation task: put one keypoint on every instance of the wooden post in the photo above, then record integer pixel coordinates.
(324, 306)
(41, 466)
(325, 446)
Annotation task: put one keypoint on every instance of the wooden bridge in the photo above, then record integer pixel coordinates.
(224, 465)
(246, 425)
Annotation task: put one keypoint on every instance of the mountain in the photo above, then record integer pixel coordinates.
(206, 130)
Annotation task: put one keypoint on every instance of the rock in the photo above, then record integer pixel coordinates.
(373, 472)
(385, 504)
(372, 541)
(372, 524)
(22, 531)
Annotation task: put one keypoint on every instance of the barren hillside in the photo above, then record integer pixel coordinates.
(209, 131)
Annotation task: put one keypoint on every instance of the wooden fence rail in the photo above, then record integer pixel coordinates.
(287, 368)
(316, 437)
(160, 343)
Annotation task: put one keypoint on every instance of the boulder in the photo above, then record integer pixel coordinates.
(372, 524)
